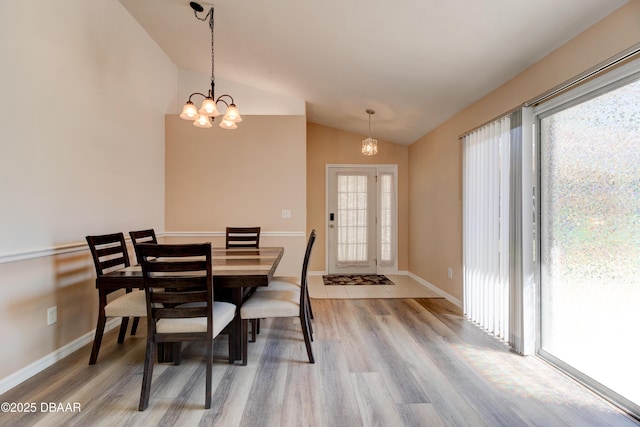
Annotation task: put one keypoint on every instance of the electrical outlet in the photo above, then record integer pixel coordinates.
(52, 315)
(450, 273)
(286, 213)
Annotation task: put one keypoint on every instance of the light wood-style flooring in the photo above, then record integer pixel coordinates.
(390, 362)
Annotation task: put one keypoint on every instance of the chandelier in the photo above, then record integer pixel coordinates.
(369, 145)
(209, 109)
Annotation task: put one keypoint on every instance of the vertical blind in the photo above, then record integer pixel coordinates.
(486, 226)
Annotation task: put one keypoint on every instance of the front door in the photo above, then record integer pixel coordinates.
(351, 230)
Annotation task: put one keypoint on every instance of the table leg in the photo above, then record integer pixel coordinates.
(237, 322)
(160, 352)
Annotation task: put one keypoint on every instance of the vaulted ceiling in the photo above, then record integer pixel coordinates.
(416, 62)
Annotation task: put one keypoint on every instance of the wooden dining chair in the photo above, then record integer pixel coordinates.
(109, 253)
(243, 237)
(180, 305)
(287, 283)
(142, 236)
(282, 303)
(290, 283)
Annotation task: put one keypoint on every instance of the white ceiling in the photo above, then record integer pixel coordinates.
(416, 62)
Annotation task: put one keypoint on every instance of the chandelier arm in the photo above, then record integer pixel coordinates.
(229, 96)
(197, 93)
(223, 101)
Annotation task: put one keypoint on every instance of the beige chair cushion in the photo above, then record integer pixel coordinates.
(223, 314)
(287, 279)
(281, 283)
(133, 304)
(271, 304)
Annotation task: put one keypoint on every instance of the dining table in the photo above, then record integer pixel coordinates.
(235, 272)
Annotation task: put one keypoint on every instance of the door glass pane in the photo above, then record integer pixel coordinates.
(386, 206)
(352, 218)
(590, 238)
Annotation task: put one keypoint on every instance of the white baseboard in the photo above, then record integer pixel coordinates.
(437, 290)
(39, 365)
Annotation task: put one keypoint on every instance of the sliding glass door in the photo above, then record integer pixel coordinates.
(590, 238)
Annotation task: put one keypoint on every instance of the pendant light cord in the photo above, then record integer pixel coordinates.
(369, 111)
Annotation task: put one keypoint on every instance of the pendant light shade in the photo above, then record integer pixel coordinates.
(209, 108)
(189, 111)
(202, 121)
(228, 124)
(232, 114)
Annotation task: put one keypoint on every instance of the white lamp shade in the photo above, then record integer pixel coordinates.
(232, 114)
(208, 108)
(189, 112)
(227, 124)
(369, 146)
(202, 121)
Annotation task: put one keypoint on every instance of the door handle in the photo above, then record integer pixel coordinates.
(330, 225)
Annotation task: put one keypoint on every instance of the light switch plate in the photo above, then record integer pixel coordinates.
(52, 315)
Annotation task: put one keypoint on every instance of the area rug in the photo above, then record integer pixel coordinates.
(356, 279)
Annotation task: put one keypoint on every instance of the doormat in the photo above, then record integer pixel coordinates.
(356, 279)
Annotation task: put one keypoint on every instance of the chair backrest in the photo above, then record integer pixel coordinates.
(243, 237)
(305, 266)
(177, 274)
(109, 252)
(142, 236)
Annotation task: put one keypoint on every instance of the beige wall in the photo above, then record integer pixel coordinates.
(217, 178)
(81, 164)
(435, 189)
(331, 146)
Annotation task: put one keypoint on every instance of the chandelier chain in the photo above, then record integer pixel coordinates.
(212, 55)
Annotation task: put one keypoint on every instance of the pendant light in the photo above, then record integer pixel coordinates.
(369, 145)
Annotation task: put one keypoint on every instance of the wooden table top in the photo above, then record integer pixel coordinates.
(230, 268)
